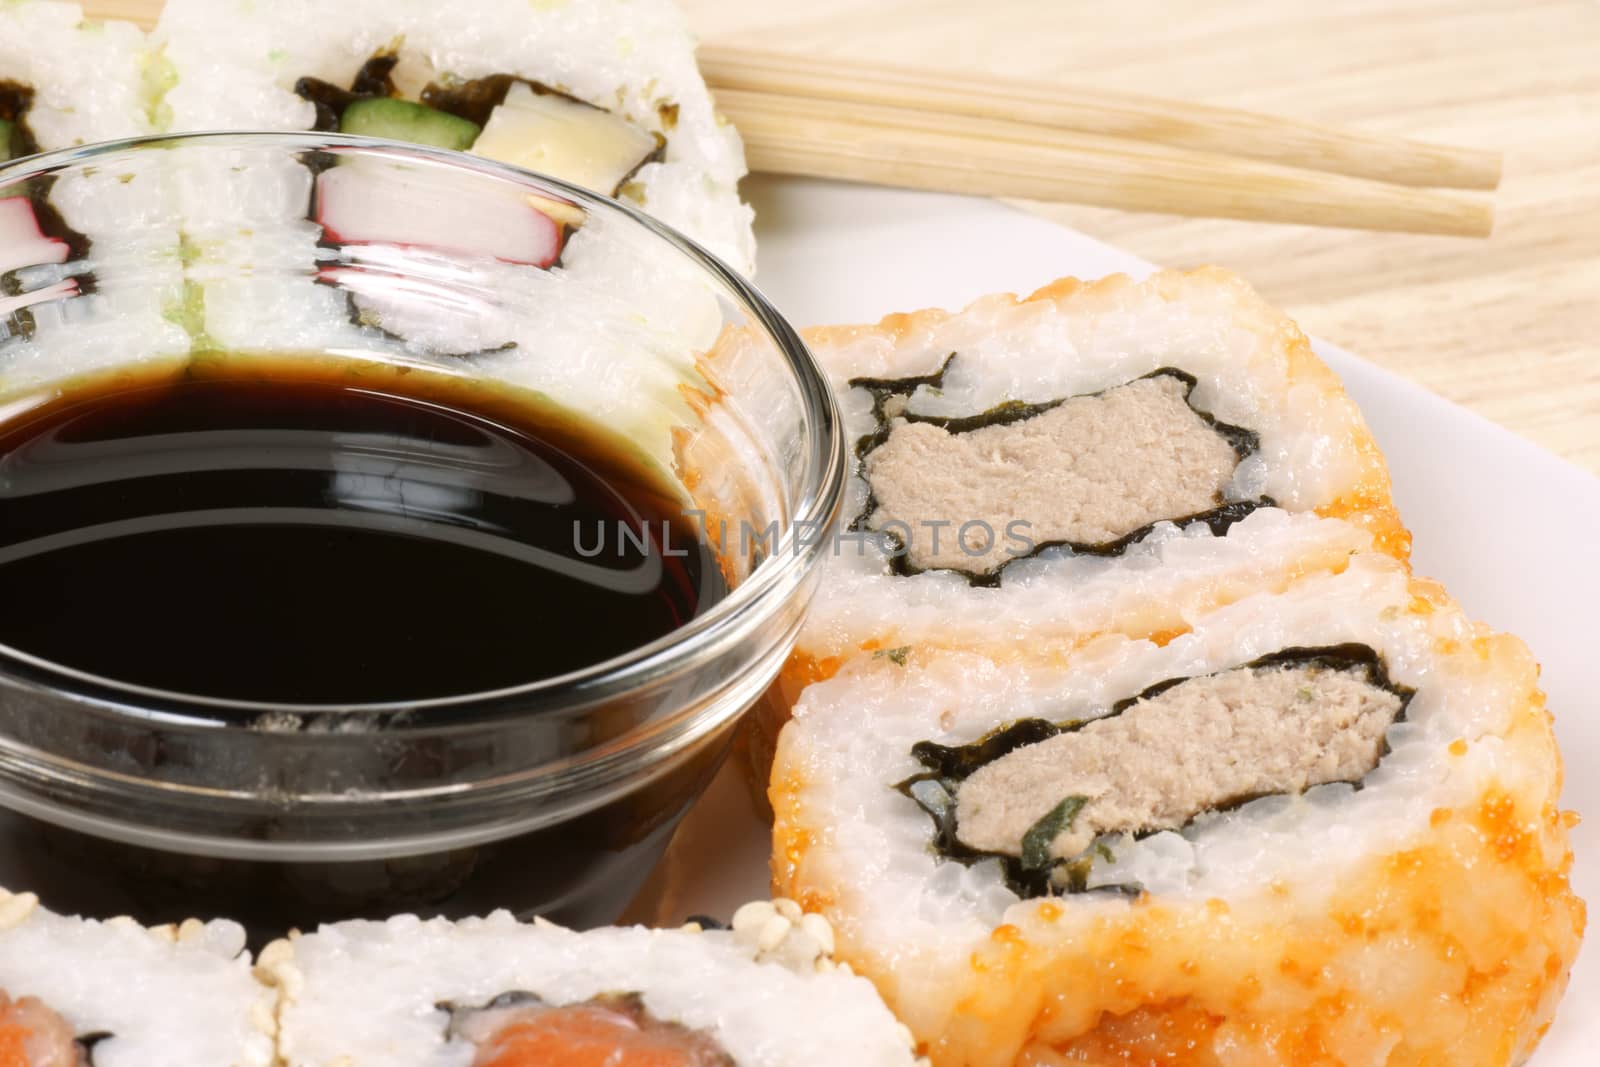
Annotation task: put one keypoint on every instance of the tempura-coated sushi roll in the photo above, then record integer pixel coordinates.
(114, 994)
(1097, 457)
(1320, 828)
(1092, 454)
(85, 281)
(492, 991)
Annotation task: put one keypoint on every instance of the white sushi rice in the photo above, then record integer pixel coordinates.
(177, 996)
(134, 251)
(851, 738)
(366, 994)
(1163, 582)
(88, 77)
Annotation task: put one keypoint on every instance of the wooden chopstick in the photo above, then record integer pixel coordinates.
(1179, 124)
(895, 146)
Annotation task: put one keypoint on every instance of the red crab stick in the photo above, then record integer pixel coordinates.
(22, 242)
(362, 204)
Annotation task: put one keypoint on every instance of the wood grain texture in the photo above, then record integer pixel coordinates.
(1507, 327)
(1050, 104)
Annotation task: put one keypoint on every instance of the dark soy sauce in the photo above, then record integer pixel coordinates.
(317, 531)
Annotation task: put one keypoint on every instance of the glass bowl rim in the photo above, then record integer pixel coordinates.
(760, 595)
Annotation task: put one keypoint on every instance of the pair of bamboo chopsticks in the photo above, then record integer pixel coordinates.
(1006, 137)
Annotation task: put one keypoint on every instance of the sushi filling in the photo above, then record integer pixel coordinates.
(502, 117)
(32, 1035)
(1042, 796)
(1093, 473)
(612, 1030)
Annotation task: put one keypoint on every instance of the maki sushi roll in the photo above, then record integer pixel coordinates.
(305, 251)
(1321, 827)
(1096, 457)
(498, 993)
(600, 93)
(76, 992)
(85, 280)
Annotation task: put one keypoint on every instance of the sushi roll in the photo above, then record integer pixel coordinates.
(383, 256)
(1096, 457)
(1321, 827)
(494, 992)
(87, 278)
(602, 93)
(79, 992)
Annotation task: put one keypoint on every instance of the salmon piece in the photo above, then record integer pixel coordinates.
(606, 1032)
(31, 1035)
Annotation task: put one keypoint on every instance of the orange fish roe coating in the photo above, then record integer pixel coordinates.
(1450, 946)
(1453, 952)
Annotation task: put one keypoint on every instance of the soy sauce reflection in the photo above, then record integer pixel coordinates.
(302, 533)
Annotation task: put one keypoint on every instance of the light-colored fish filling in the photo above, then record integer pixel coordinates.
(1088, 471)
(1196, 746)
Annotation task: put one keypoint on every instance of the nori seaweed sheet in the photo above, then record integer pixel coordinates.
(1245, 442)
(15, 100)
(950, 765)
(374, 80)
(87, 1043)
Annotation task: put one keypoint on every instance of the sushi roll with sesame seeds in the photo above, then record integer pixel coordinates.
(1321, 827)
(84, 278)
(77, 992)
(1097, 457)
(494, 992)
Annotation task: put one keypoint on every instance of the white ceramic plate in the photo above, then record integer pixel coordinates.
(1510, 528)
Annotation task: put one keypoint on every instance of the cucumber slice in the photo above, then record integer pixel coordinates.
(8, 138)
(401, 120)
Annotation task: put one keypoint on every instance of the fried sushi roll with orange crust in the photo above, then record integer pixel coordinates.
(1320, 828)
(1108, 457)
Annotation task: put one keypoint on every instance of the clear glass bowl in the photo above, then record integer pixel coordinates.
(554, 797)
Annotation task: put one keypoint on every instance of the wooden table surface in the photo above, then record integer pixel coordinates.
(1506, 326)
(1509, 326)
